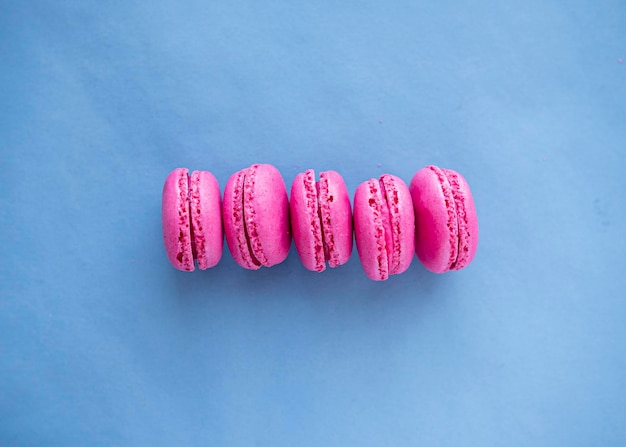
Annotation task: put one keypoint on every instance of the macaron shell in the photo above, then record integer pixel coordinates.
(234, 227)
(267, 214)
(305, 221)
(369, 230)
(467, 219)
(175, 220)
(436, 235)
(336, 215)
(206, 218)
(402, 223)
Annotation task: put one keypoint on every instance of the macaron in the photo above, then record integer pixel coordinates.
(321, 219)
(384, 226)
(192, 219)
(446, 223)
(256, 217)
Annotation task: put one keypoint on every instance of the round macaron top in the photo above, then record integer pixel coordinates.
(384, 226)
(321, 219)
(447, 225)
(256, 217)
(192, 219)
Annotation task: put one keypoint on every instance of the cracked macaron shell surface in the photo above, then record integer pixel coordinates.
(256, 217)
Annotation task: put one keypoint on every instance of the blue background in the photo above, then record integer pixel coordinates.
(102, 342)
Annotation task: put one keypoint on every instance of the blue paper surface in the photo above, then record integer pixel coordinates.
(102, 342)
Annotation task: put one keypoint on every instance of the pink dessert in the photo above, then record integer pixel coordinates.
(447, 226)
(321, 219)
(384, 226)
(256, 217)
(192, 219)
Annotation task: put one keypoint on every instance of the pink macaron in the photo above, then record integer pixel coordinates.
(447, 226)
(256, 217)
(192, 219)
(321, 219)
(384, 226)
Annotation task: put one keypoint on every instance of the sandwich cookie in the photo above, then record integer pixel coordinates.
(384, 226)
(446, 223)
(192, 219)
(321, 219)
(256, 217)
